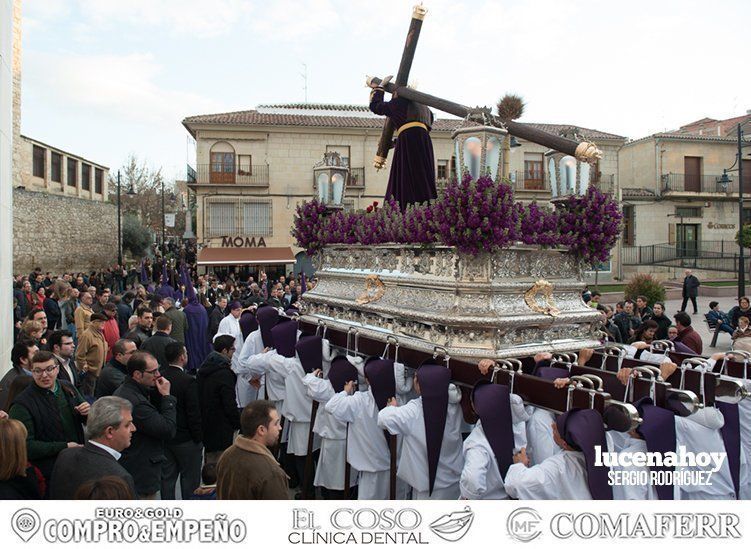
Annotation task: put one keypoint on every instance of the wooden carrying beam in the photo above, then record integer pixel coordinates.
(536, 391)
(692, 380)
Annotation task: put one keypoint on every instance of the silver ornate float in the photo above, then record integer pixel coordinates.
(515, 302)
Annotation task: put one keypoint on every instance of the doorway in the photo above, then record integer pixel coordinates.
(687, 240)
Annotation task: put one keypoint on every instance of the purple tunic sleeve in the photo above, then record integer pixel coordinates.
(379, 106)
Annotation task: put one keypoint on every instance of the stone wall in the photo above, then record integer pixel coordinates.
(62, 233)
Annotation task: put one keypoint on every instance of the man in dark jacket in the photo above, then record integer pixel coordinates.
(627, 321)
(155, 424)
(142, 331)
(53, 413)
(220, 417)
(115, 370)
(124, 310)
(157, 343)
(109, 429)
(690, 291)
(185, 452)
(216, 316)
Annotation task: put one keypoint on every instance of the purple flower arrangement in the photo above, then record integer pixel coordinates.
(308, 225)
(589, 225)
(475, 216)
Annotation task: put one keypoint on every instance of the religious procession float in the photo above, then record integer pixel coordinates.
(468, 273)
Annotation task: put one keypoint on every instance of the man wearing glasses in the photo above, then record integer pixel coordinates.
(155, 418)
(53, 412)
(115, 371)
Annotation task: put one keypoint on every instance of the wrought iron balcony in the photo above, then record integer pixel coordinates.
(692, 183)
(228, 174)
(525, 181)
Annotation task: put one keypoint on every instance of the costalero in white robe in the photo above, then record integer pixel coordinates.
(630, 446)
(408, 421)
(330, 468)
(367, 450)
(249, 365)
(481, 478)
(540, 444)
(562, 476)
(700, 432)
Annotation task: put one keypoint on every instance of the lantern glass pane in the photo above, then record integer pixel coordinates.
(472, 156)
(568, 175)
(584, 171)
(458, 156)
(323, 187)
(492, 156)
(337, 182)
(553, 178)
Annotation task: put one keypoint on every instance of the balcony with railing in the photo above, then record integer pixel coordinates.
(693, 183)
(256, 175)
(522, 180)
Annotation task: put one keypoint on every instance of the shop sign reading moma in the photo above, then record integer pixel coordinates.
(243, 242)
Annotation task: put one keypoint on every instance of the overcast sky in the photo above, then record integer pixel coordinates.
(106, 78)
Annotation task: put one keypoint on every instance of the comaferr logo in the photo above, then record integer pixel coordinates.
(655, 526)
(524, 524)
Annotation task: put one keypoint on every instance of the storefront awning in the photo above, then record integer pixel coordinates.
(245, 256)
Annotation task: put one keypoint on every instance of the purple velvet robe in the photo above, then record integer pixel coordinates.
(412, 176)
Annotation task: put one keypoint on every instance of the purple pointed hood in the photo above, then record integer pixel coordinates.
(341, 372)
(190, 291)
(248, 323)
(284, 336)
(658, 431)
(492, 403)
(265, 288)
(380, 375)
(144, 276)
(583, 429)
(267, 318)
(731, 436)
(434, 388)
(303, 284)
(310, 352)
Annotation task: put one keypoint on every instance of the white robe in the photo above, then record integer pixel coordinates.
(297, 405)
(631, 446)
(367, 450)
(481, 478)
(250, 364)
(700, 432)
(562, 476)
(408, 421)
(540, 444)
(646, 356)
(331, 462)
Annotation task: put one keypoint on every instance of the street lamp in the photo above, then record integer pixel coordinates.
(724, 182)
(130, 192)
